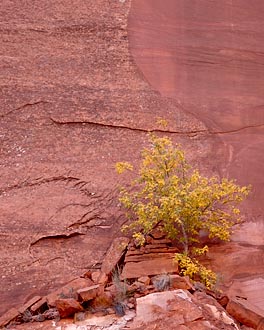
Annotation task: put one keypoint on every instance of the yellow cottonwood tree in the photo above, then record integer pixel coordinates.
(169, 192)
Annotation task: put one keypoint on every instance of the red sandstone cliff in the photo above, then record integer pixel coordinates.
(75, 100)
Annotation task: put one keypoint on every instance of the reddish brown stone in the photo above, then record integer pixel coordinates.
(73, 103)
(148, 265)
(87, 274)
(114, 254)
(159, 305)
(137, 286)
(223, 300)
(112, 289)
(38, 305)
(206, 58)
(147, 268)
(180, 282)
(250, 288)
(28, 304)
(67, 307)
(179, 309)
(149, 256)
(103, 279)
(173, 59)
(145, 280)
(158, 234)
(244, 312)
(8, 317)
(204, 325)
(261, 324)
(47, 325)
(86, 88)
(104, 300)
(95, 276)
(133, 252)
(88, 293)
(68, 291)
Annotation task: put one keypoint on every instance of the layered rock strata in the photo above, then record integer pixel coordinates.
(73, 103)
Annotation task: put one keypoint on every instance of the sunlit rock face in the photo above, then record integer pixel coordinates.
(208, 56)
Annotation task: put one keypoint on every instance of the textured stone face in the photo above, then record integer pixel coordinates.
(67, 307)
(208, 57)
(73, 103)
(245, 313)
(180, 310)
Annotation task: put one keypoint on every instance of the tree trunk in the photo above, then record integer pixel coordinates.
(185, 237)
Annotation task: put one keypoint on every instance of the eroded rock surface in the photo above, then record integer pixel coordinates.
(208, 57)
(72, 104)
(146, 302)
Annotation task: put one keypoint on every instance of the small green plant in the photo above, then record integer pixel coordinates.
(168, 192)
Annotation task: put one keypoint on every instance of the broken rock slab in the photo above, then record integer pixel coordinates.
(144, 279)
(136, 256)
(180, 282)
(69, 290)
(39, 305)
(107, 322)
(157, 305)
(148, 266)
(67, 307)
(246, 313)
(181, 310)
(8, 317)
(28, 304)
(214, 311)
(172, 323)
(113, 256)
(88, 293)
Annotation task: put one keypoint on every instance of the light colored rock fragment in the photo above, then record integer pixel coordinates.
(156, 305)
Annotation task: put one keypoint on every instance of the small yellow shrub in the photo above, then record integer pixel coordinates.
(167, 192)
(192, 268)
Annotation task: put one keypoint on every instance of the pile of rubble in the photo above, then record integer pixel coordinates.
(137, 288)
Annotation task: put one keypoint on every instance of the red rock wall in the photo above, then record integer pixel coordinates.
(72, 104)
(75, 100)
(208, 57)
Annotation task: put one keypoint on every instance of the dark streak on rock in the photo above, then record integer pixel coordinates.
(155, 130)
(238, 129)
(39, 181)
(136, 129)
(22, 107)
(51, 237)
(83, 220)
